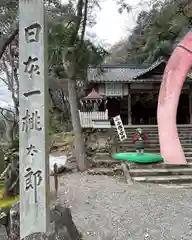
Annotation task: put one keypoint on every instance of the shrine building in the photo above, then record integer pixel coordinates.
(131, 92)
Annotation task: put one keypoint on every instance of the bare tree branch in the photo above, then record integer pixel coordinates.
(2, 109)
(2, 79)
(78, 22)
(84, 23)
(8, 38)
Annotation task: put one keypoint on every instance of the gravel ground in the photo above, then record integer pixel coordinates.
(104, 208)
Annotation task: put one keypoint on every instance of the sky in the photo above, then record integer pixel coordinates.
(5, 96)
(110, 28)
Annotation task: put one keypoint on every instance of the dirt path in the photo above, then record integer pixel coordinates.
(106, 209)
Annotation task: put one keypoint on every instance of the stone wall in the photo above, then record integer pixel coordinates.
(100, 140)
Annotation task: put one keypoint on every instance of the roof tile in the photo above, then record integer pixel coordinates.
(119, 73)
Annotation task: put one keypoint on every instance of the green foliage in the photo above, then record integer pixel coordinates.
(8, 202)
(59, 40)
(12, 151)
(158, 30)
(56, 125)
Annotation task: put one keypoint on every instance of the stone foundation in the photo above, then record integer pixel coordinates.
(61, 219)
(100, 140)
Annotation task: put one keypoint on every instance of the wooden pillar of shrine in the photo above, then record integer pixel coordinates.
(129, 106)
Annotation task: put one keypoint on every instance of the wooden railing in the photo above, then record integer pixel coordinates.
(87, 117)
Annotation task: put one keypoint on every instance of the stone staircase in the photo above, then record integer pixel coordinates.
(152, 145)
(153, 173)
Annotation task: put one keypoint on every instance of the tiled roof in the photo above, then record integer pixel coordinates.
(120, 73)
(150, 68)
(93, 95)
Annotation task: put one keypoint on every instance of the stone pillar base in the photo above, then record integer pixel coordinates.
(64, 227)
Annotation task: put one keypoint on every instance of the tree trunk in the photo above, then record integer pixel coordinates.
(8, 133)
(7, 39)
(79, 139)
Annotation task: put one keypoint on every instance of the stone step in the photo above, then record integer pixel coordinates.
(155, 142)
(102, 153)
(182, 126)
(105, 171)
(155, 137)
(154, 128)
(104, 156)
(155, 132)
(152, 132)
(158, 166)
(160, 172)
(158, 179)
(165, 179)
(149, 128)
(106, 163)
(153, 146)
(149, 149)
(187, 143)
(179, 126)
(189, 159)
(188, 154)
(107, 156)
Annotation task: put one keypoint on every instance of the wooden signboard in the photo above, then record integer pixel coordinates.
(120, 128)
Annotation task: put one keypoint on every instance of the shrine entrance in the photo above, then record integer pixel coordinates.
(144, 109)
(113, 106)
(183, 116)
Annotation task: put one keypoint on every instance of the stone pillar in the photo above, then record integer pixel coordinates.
(190, 103)
(33, 134)
(129, 106)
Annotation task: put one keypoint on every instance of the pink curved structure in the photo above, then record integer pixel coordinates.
(170, 90)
